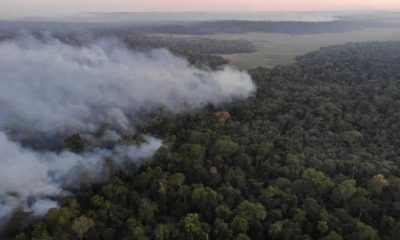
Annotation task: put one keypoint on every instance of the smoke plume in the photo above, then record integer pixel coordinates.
(28, 175)
(48, 89)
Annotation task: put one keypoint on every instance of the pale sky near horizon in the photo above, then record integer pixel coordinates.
(18, 8)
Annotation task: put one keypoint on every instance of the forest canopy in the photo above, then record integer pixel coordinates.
(314, 155)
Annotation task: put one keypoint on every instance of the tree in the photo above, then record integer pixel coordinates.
(300, 215)
(146, 210)
(275, 230)
(344, 191)
(75, 143)
(223, 211)
(395, 233)
(205, 198)
(161, 232)
(221, 228)
(81, 225)
(377, 184)
(225, 147)
(332, 236)
(40, 232)
(351, 136)
(242, 236)
(21, 236)
(239, 225)
(136, 229)
(322, 227)
(360, 203)
(196, 152)
(176, 179)
(313, 209)
(319, 180)
(251, 211)
(236, 177)
(192, 225)
(285, 229)
(230, 194)
(361, 231)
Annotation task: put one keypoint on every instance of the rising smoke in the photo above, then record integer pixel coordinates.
(28, 175)
(49, 89)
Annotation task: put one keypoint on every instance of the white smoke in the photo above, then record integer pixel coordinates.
(48, 88)
(28, 179)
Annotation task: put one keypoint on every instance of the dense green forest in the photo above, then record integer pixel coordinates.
(314, 155)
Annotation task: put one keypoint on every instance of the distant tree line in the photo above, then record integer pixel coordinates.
(191, 45)
(196, 27)
(239, 26)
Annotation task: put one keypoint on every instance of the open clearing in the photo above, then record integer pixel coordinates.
(274, 49)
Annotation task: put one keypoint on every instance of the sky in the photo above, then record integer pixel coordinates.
(18, 8)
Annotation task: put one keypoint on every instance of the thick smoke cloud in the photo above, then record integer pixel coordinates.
(50, 89)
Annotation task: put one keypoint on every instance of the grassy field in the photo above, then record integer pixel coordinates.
(274, 49)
